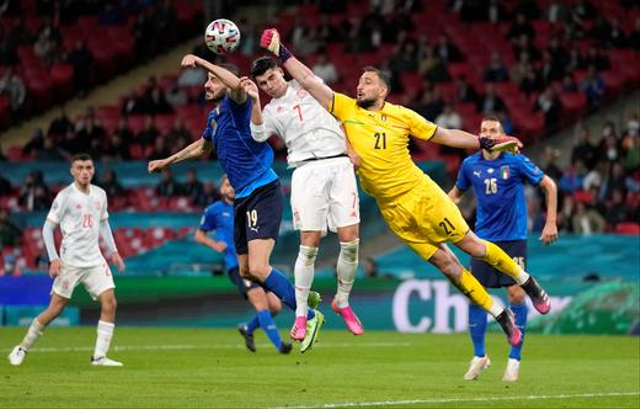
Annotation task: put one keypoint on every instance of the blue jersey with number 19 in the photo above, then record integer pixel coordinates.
(246, 162)
(499, 188)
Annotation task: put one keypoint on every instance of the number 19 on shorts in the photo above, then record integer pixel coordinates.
(252, 219)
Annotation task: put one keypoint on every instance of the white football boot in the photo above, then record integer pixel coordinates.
(512, 371)
(104, 361)
(17, 355)
(477, 365)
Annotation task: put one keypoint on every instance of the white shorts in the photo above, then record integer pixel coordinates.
(96, 280)
(325, 193)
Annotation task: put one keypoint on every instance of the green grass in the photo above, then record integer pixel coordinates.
(181, 368)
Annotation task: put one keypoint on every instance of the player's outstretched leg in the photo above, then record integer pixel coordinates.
(19, 352)
(346, 271)
(304, 272)
(496, 257)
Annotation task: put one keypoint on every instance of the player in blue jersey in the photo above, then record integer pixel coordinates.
(498, 182)
(259, 200)
(218, 219)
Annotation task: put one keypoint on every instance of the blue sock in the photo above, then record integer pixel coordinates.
(253, 324)
(280, 285)
(477, 328)
(268, 325)
(520, 312)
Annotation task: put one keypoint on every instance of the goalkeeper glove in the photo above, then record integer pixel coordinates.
(271, 41)
(507, 143)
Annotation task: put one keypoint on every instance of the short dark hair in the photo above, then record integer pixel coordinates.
(262, 65)
(80, 156)
(383, 75)
(493, 118)
(232, 68)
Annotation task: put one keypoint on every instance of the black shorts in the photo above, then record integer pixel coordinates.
(492, 278)
(258, 216)
(243, 285)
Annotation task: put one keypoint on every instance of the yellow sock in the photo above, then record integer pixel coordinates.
(496, 257)
(472, 288)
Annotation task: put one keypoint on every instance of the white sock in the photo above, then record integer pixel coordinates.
(346, 271)
(495, 310)
(522, 277)
(303, 272)
(33, 333)
(103, 341)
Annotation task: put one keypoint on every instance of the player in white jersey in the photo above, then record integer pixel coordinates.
(323, 186)
(80, 210)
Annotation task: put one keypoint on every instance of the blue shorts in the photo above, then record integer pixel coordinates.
(492, 278)
(258, 216)
(242, 284)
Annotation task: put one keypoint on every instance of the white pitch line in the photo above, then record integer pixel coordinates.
(223, 346)
(460, 400)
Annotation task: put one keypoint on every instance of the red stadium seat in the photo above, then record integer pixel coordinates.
(628, 228)
(62, 77)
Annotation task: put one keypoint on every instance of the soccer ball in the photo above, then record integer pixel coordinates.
(222, 36)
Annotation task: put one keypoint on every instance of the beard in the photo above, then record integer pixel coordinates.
(366, 103)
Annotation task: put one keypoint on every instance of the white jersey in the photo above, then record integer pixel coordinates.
(79, 216)
(308, 130)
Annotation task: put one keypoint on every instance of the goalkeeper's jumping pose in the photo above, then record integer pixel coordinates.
(416, 209)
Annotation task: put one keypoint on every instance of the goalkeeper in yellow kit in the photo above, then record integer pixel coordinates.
(416, 209)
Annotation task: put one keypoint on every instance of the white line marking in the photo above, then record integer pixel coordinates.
(460, 400)
(224, 346)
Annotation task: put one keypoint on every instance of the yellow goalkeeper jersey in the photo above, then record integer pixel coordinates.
(381, 139)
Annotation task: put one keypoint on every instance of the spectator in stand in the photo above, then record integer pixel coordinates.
(168, 187)
(124, 130)
(327, 32)
(34, 144)
(10, 234)
(148, 135)
(617, 210)
(447, 51)
(133, 104)
(49, 151)
(584, 149)
(567, 210)
(549, 167)
(616, 181)
(583, 10)
(490, 102)
(549, 104)
(496, 71)
(35, 199)
(156, 103)
(557, 12)
(110, 16)
(438, 73)
(118, 149)
(60, 125)
(192, 187)
(495, 12)
(634, 37)
(596, 58)
(524, 44)
(12, 86)
(550, 71)
(142, 31)
(406, 58)
(81, 60)
(593, 86)
(47, 43)
(111, 185)
(568, 85)
(208, 195)
(160, 149)
(18, 35)
(530, 81)
(573, 177)
(465, 91)
(521, 27)
(325, 69)
(426, 59)
(178, 131)
(587, 220)
(429, 104)
(449, 118)
(89, 131)
(600, 30)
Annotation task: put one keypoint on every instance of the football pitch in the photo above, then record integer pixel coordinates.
(197, 368)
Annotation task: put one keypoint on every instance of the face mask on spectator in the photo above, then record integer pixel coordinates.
(612, 153)
(633, 127)
(606, 131)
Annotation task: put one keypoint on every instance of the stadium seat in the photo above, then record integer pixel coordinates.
(628, 228)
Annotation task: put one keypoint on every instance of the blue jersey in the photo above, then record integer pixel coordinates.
(218, 216)
(499, 188)
(246, 162)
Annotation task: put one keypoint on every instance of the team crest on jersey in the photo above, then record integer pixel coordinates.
(214, 125)
(302, 93)
(383, 117)
(504, 172)
(490, 171)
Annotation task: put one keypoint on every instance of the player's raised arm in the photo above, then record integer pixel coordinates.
(229, 79)
(194, 150)
(464, 140)
(270, 40)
